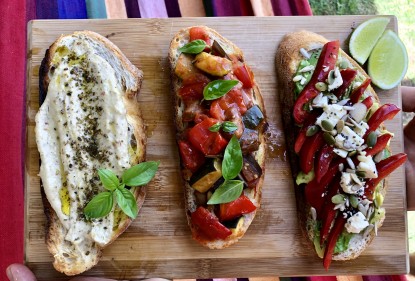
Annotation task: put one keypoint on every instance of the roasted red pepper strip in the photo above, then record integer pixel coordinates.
(314, 190)
(368, 102)
(308, 151)
(385, 112)
(347, 75)
(209, 224)
(326, 62)
(301, 137)
(324, 158)
(192, 159)
(384, 167)
(207, 142)
(358, 92)
(244, 74)
(200, 33)
(381, 143)
(328, 210)
(234, 209)
(332, 240)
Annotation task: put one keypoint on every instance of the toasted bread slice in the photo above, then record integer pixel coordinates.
(288, 58)
(89, 119)
(254, 194)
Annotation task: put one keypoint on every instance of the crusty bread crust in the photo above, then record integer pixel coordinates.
(180, 39)
(130, 77)
(287, 60)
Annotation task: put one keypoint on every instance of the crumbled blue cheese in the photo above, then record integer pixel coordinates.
(320, 101)
(361, 128)
(368, 166)
(348, 139)
(341, 152)
(356, 223)
(338, 80)
(349, 185)
(332, 113)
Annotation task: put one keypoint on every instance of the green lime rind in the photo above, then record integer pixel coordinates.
(388, 61)
(365, 37)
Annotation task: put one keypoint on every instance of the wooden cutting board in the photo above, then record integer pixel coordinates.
(158, 243)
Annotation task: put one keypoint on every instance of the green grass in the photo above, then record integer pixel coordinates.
(343, 7)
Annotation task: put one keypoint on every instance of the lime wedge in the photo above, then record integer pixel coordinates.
(365, 36)
(388, 61)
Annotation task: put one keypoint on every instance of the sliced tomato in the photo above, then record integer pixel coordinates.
(244, 74)
(192, 159)
(237, 208)
(348, 76)
(219, 106)
(308, 151)
(358, 92)
(385, 112)
(332, 240)
(325, 64)
(209, 224)
(207, 142)
(200, 33)
(384, 168)
(324, 157)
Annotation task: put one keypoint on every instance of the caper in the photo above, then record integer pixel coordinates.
(329, 138)
(321, 86)
(361, 174)
(327, 126)
(338, 199)
(353, 201)
(343, 64)
(311, 131)
(378, 200)
(372, 138)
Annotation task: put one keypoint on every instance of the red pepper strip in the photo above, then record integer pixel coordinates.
(326, 62)
(347, 75)
(379, 146)
(301, 137)
(385, 112)
(314, 190)
(332, 240)
(328, 210)
(192, 159)
(358, 92)
(234, 209)
(209, 224)
(324, 158)
(384, 167)
(368, 102)
(308, 151)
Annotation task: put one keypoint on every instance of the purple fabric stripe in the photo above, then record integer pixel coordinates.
(281, 8)
(30, 11)
(133, 10)
(47, 9)
(224, 8)
(152, 8)
(173, 8)
(72, 9)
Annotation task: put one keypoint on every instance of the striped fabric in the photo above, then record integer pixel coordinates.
(113, 9)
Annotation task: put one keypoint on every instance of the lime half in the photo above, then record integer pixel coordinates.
(365, 36)
(388, 61)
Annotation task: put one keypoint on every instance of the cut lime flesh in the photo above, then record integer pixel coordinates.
(388, 61)
(365, 36)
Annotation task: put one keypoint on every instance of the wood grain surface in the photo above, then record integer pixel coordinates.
(158, 243)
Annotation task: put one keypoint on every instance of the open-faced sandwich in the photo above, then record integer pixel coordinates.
(339, 147)
(89, 130)
(219, 117)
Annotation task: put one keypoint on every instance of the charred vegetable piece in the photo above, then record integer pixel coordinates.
(236, 208)
(192, 159)
(213, 65)
(251, 171)
(217, 50)
(232, 224)
(209, 224)
(249, 141)
(207, 175)
(184, 66)
(253, 117)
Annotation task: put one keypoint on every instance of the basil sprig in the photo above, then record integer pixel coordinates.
(226, 126)
(194, 47)
(232, 162)
(218, 88)
(102, 204)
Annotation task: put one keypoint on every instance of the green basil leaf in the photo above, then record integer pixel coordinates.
(108, 179)
(229, 127)
(232, 159)
(218, 88)
(216, 127)
(99, 206)
(140, 174)
(227, 192)
(127, 203)
(194, 47)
